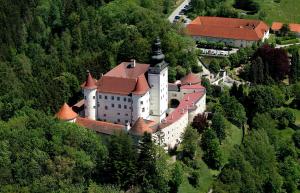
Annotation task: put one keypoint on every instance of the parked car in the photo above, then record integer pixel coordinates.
(177, 17)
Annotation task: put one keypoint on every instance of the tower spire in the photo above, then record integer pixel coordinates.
(157, 58)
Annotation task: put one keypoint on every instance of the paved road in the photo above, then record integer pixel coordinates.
(287, 45)
(177, 10)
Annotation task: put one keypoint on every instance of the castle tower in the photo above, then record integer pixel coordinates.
(158, 81)
(89, 90)
(66, 113)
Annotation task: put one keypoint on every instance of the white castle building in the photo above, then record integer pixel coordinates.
(134, 98)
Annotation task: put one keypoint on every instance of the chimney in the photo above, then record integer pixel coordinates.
(133, 63)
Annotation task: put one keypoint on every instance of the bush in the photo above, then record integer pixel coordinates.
(196, 68)
(194, 178)
(296, 138)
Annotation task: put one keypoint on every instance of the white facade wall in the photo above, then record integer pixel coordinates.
(200, 108)
(158, 94)
(172, 133)
(140, 106)
(114, 108)
(90, 103)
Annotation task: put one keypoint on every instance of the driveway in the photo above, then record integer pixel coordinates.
(177, 10)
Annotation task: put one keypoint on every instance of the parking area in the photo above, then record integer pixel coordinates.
(178, 15)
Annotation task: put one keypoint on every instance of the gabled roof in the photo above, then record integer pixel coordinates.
(90, 83)
(140, 127)
(100, 126)
(125, 79)
(141, 86)
(66, 113)
(228, 28)
(190, 78)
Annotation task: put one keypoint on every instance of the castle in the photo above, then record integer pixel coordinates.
(134, 98)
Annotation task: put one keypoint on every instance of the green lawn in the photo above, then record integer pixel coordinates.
(206, 180)
(287, 11)
(234, 137)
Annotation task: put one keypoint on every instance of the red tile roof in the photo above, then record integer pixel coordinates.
(276, 26)
(90, 83)
(125, 79)
(66, 113)
(294, 27)
(190, 78)
(124, 70)
(194, 87)
(140, 127)
(100, 126)
(229, 28)
(187, 103)
(141, 86)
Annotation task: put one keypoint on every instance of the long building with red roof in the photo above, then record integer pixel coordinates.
(133, 97)
(231, 31)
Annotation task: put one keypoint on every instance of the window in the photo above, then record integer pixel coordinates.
(100, 96)
(125, 106)
(142, 102)
(118, 113)
(98, 105)
(126, 121)
(94, 107)
(143, 109)
(112, 97)
(129, 99)
(119, 106)
(118, 98)
(104, 115)
(85, 97)
(125, 99)
(105, 97)
(126, 114)
(113, 105)
(94, 97)
(118, 120)
(105, 107)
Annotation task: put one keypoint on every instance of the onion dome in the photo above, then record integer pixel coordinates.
(141, 86)
(190, 78)
(140, 127)
(90, 83)
(66, 113)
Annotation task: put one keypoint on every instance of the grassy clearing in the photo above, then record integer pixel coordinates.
(234, 136)
(287, 11)
(206, 180)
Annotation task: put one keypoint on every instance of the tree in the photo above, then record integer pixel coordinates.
(210, 145)
(233, 110)
(214, 66)
(290, 170)
(200, 122)
(121, 166)
(176, 177)
(295, 67)
(152, 167)
(219, 126)
(296, 138)
(190, 142)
